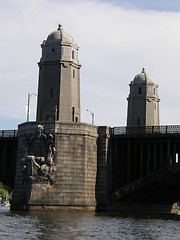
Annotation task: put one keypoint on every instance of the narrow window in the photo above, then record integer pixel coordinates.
(73, 113)
(139, 90)
(76, 119)
(155, 106)
(72, 54)
(51, 93)
(177, 158)
(154, 91)
(138, 121)
(73, 73)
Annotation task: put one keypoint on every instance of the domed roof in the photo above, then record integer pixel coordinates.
(60, 35)
(142, 77)
(54, 36)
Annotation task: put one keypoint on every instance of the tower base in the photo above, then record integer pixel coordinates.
(56, 166)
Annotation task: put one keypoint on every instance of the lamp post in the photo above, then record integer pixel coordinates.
(92, 115)
(28, 104)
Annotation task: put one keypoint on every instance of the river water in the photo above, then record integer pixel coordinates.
(74, 225)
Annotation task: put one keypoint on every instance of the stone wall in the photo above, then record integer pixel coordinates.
(73, 181)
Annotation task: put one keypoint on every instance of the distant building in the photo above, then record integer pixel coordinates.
(59, 79)
(143, 102)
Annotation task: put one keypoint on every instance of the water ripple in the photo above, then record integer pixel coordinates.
(85, 226)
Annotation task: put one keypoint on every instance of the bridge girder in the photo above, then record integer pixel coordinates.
(161, 187)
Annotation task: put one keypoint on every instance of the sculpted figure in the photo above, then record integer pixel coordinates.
(39, 163)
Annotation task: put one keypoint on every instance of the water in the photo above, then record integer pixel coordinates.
(85, 226)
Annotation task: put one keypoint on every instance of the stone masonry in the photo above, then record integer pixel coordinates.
(74, 182)
(59, 79)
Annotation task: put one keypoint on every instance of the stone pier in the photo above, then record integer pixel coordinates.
(56, 166)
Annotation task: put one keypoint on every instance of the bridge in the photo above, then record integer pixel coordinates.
(146, 164)
(8, 149)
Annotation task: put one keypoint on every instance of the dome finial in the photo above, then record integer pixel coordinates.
(143, 70)
(59, 26)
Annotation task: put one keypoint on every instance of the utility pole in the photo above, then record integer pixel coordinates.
(28, 105)
(92, 115)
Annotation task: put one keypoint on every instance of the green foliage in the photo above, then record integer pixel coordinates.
(4, 192)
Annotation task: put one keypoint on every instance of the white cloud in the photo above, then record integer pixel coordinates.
(115, 43)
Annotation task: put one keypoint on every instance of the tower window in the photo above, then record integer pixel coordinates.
(139, 90)
(51, 93)
(138, 121)
(154, 91)
(73, 73)
(72, 54)
(73, 113)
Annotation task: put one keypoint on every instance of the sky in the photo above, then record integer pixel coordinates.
(116, 40)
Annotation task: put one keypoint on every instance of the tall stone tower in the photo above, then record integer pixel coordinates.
(59, 79)
(143, 102)
(56, 164)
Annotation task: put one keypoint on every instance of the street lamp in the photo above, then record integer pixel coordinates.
(92, 115)
(28, 104)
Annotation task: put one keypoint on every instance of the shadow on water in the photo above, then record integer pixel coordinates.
(155, 216)
(79, 225)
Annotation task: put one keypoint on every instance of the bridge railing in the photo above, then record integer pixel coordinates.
(8, 133)
(170, 129)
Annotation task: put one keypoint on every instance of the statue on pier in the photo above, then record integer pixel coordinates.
(38, 166)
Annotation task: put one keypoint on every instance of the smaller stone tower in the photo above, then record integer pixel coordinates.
(59, 79)
(143, 102)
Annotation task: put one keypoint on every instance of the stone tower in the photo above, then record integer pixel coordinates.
(59, 79)
(56, 164)
(143, 102)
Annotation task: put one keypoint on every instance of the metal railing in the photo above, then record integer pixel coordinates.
(170, 129)
(8, 133)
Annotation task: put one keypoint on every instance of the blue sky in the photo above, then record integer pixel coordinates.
(116, 39)
(156, 5)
